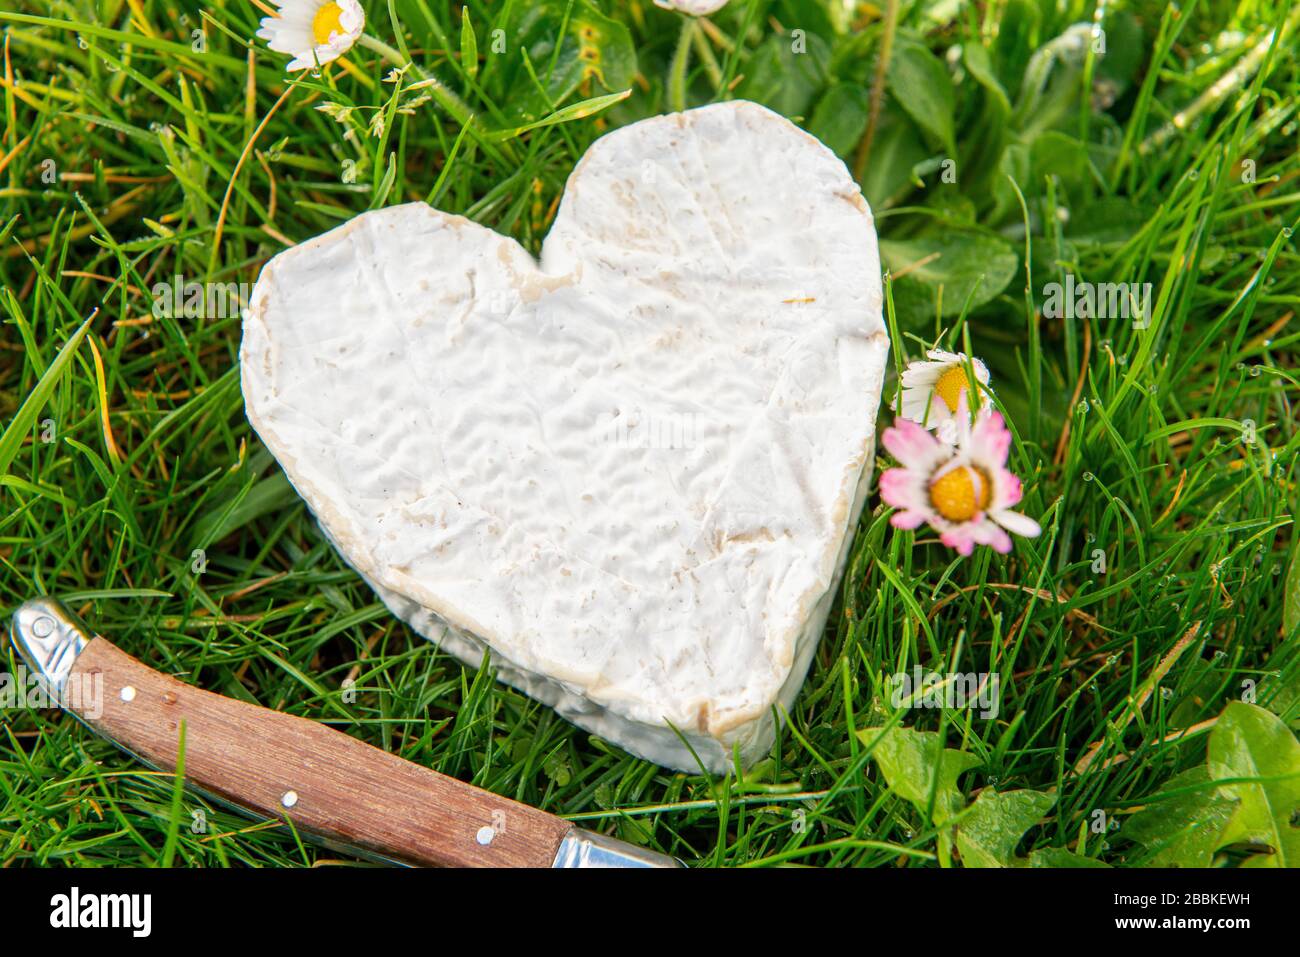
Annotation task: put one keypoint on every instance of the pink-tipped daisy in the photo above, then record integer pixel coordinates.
(931, 390)
(963, 491)
(313, 31)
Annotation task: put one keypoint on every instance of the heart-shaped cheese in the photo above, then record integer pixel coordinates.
(631, 472)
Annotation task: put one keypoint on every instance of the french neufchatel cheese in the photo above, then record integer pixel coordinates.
(630, 471)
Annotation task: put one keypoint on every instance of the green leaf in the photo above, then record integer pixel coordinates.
(920, 84)
(1183, 830)
(1249, 742)
(813, 16)
(785, 73)
(1066, 159)
(1126, 45)
(895, 149)
(941, 271)
(990, 830)
(468, 44)
(980, 65)
(985, 133)
(595, 51)
(916, 765)
(841, 117)
(1109, 222)
(1060, 857)
(1018, 37)
(574, 111)
(1050, 89)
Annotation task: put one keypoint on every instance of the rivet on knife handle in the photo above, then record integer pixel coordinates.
(273, 765)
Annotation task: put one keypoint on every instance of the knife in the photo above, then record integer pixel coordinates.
(334, 789)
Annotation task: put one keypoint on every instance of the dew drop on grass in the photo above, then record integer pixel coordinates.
(1286, 231)
(1087, 476)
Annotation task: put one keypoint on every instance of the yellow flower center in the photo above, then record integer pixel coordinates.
(959, 493)
(328, 20)
(950, 386)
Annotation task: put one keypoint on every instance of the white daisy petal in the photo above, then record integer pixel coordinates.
(314, 32)
(1017, 524)
(929, 386)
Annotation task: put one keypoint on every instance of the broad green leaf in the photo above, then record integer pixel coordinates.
(1183, 830)
(1018, 36)
(985, 135)
(840, 117)
(916, 765)
(1066, 159)
(920, 83)
(1126, 46)
(785, 73)
(1112, 222)
(813, 16)
(596, 56)
(980, 65)
(895, 149)
(1050, 89)
(1060, 857)
(1249, 742)
(946, 269)
(990, 830)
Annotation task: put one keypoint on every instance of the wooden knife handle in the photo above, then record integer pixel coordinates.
(328, 784)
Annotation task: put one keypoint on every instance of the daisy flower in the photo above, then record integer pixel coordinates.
(314, 31)
(931, 390)
(963, 491)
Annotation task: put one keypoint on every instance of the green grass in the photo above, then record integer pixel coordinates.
(128, 157)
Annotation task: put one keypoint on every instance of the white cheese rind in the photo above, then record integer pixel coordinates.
(632, 471)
